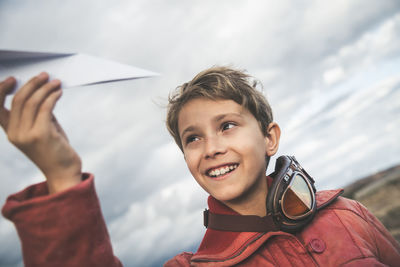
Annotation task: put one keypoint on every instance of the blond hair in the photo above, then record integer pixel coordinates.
(219, 83)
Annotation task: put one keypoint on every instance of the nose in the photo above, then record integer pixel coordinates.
(214, 146)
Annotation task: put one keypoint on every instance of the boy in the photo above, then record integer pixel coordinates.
(226, 132)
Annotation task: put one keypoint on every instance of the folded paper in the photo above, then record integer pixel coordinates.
(73, 69)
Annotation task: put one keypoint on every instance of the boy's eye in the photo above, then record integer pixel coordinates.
(191, 139)
(227, 126)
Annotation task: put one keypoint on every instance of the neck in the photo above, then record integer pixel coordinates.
(253, 201)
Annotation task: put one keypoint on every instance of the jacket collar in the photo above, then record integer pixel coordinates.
(224, 245)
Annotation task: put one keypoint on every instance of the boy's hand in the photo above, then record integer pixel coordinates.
(31, 126)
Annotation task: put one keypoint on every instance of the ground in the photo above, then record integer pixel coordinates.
(380, 193)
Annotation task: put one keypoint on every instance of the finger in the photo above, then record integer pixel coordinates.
(6, 87)
(45, 114)
(4, 118)
(22, 95)
(32, 105)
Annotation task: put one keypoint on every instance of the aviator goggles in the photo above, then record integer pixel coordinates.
(291, 197)
(290, 203)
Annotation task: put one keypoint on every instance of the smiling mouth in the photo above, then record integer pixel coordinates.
(216, 172)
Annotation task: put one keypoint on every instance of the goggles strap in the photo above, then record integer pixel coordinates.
(238, 223)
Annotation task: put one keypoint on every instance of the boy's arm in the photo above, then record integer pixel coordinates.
(59, 221)
(62, 229)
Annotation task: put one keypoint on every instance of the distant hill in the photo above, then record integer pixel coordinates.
(380, 193)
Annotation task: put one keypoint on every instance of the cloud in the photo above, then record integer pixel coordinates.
(330, 71)
(355, 126)
(333, 75)
(370, 49)
(159, 219)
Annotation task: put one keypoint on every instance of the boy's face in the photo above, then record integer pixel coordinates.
(224, 147)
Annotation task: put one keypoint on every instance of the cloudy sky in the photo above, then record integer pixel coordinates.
(331, 70)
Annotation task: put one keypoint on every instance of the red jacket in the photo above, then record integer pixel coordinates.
(64, 229)
(68, 229)
(344, 233)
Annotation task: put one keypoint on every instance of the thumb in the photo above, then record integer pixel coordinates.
(6, 87)
(4, 118)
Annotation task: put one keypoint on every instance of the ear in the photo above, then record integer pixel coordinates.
(272, 137)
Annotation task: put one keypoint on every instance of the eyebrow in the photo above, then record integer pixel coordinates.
(188, 129)
(222, 116)
(216, 119)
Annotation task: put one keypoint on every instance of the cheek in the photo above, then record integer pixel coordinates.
(191, 162)
(251, 149)
(193, 166)
(255, 152)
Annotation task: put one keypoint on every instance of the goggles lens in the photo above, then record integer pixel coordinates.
(297, 200)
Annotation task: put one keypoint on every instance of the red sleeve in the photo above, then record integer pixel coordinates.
(388, 249)
(63, 229)
(180, 260)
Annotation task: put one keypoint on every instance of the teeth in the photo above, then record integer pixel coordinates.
(222, 171)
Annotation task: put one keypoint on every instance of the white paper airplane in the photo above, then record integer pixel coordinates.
(73, 69)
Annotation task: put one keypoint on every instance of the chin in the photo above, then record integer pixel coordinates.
(227, 195)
